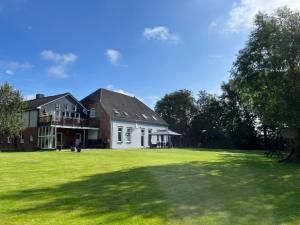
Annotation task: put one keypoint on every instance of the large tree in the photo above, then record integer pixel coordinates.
(178, 110)
(267, 70)
(238, 120)
(207, 128)
(11, 108)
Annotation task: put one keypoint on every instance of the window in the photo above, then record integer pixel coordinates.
(75, 108)
(46, 137)
(138, 116)
(22, 137)
(57, 106)
(154, 117)
(8, 140)
(116, 111)
(31, 138)
(92, 113)
(57, 115)
(125, 113)
(128, 134)
(145, 117)
(120, 134)
(77, 115)
(66, 107)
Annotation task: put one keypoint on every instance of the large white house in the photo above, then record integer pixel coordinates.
(125, 121)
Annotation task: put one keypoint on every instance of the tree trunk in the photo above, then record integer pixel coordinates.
(294, 149)
(265, 137)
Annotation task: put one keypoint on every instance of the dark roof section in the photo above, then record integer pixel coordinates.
(124, 107)
(35, 103)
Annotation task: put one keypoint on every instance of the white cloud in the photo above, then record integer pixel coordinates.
(11, 67)
(9, 72)
(121, 91)
(113, 56)
(60, 63)
(29, 97)
(243, 13)
(161, 33)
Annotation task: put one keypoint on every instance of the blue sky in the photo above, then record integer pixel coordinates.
(144, 48)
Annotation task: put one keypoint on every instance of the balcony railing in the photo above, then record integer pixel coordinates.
(74, 122)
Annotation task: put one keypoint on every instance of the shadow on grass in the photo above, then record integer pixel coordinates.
(238, 190)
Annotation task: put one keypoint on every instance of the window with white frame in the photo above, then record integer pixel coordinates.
(31, 138)
(57, 106)
(8, 140)
(128, 134)
(92, 113)
(120, 134)
(75, 108)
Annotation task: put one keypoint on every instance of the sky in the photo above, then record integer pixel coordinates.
(137, 47)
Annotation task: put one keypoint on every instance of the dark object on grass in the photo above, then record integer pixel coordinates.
(274, 152)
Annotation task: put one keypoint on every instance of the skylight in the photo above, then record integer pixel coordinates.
(145, 117)
(138, 116)
(125, 113)
(154, 117)
(116, 111)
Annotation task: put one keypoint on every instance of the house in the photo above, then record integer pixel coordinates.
(53, 122)
(125, 121)
(102, 119)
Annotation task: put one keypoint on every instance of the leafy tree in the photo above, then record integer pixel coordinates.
(238, 120)
(11, 108)
(178, 110)
(207, 128)
(267, 70)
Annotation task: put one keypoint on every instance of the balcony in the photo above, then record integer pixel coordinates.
(73, 122)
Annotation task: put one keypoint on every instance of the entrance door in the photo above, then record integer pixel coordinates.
(59, 143)
(143, 137)
(77, 139)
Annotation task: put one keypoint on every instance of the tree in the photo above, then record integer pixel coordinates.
(207, 128)
(11, 108)
(178, 109)
(267, 70)
(238, 120)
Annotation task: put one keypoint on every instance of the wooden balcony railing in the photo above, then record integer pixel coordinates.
(74, 122)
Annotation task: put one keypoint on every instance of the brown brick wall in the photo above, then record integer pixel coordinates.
(16, 145)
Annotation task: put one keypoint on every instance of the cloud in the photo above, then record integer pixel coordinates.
(12, 67)
(60, 63)
(161, 33)
(29, 97)
(9, 72)
(121, 91)
(243, 13)
(113, 56)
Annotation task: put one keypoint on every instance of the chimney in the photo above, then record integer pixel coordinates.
(38, 96)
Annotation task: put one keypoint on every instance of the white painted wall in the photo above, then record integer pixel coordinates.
(29, 119)
(136, 134)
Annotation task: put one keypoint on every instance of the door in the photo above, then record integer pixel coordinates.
(143, 137)
(77, 139)
(59, 143)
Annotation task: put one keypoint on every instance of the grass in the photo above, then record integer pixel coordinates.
(147, 187)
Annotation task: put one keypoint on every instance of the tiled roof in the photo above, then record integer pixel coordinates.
(124, 107)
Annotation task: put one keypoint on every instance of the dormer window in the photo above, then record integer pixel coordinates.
(144, 116)
(154, 117)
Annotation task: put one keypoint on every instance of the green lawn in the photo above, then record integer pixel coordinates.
(147, 187)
